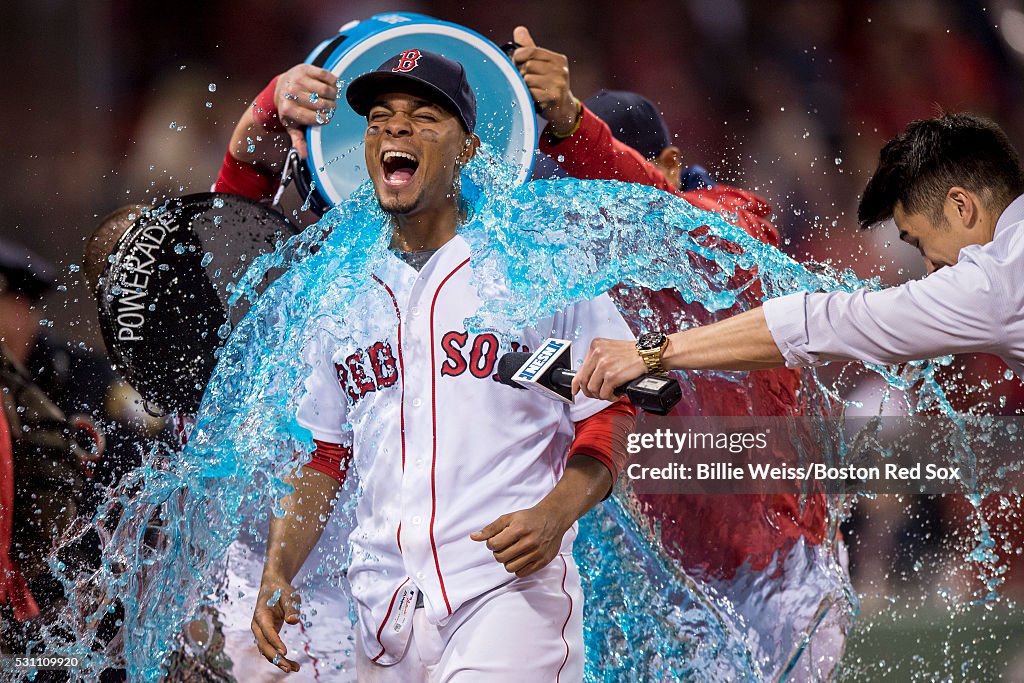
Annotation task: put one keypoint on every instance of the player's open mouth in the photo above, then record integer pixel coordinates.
(398, 167)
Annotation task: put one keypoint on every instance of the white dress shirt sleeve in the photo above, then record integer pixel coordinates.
(957, 309)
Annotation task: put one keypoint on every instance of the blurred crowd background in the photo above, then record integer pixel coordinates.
(117, 101)
(112, 101)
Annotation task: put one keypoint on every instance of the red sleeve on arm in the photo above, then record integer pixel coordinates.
(603, 436)
(332, 459)
(246, 179)
(593, 153)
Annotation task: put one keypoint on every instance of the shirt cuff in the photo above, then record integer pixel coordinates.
(786, 317)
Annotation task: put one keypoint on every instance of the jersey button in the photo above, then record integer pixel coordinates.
(415, 311)
(416, 403)
(416, 520)
(419, 463)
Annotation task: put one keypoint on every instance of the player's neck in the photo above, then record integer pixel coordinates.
(424, 230)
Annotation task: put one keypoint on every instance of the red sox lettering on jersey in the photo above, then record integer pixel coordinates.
(375, 368)
(436, 441)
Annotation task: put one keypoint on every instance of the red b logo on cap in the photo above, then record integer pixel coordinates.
(408, 60)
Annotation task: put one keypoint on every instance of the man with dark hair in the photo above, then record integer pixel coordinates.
(955, 187)
(917, 167)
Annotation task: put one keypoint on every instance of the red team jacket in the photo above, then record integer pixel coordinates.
(710, 535)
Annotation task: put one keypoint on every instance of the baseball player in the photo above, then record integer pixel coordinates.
(461, 565)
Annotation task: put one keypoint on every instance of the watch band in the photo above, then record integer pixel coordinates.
(652, 356)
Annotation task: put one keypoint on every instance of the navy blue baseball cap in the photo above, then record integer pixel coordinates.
(633, 119)
(23, 272)
(438, 79)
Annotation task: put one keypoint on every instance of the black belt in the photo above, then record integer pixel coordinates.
(419, 599)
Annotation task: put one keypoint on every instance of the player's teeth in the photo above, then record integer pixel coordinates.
(402, 155)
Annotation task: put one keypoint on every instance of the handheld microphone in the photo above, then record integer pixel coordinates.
(548, 372)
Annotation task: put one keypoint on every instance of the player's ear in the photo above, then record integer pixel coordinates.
(469, 148)
(961, 207)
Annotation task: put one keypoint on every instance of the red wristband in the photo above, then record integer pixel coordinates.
(264, 111)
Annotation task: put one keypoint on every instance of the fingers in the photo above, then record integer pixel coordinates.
(525, 566)
(526, 557)
(265, 625)
(291, 608)
(521, 35)
(298, 138)
(581, 381)
(306, 96)
(505, 539)
(609, 364)
(276, 604)
(607, 390)
(491, 529)
(501, 534)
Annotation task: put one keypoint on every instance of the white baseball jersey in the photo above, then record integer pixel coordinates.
(441, 448)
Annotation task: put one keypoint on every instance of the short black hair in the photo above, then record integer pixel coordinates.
(918, 166)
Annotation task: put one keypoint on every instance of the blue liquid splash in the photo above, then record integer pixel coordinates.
(168, 526)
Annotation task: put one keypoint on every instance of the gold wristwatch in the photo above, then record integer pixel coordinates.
(650, 346)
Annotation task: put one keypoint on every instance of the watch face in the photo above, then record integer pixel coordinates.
(648, 341)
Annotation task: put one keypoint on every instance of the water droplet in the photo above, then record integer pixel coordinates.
(74, 267)
(207, 259)
(212, 87)
(218, 203)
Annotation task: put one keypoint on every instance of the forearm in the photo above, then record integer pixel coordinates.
(292, 538)
(742, 342)
(584, 484)
(260, 144)
(593, 153)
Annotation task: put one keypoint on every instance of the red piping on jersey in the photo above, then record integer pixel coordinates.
(401, 365)
(380, 630)
(433, 418)
(309, 651)
(401, 405)
(565, 571)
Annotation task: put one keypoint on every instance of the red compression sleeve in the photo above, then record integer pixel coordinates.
(245, 179)
(331, 459)
(603, 436)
